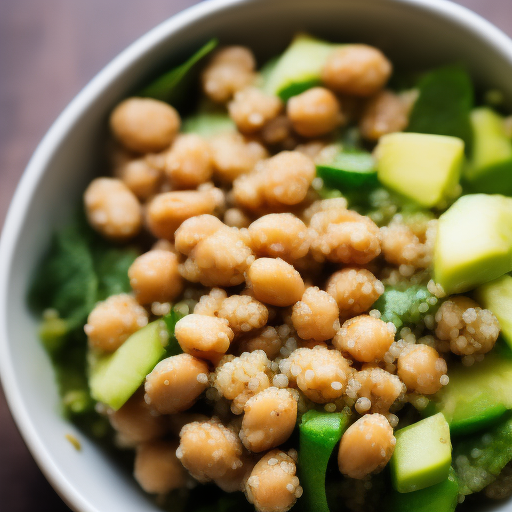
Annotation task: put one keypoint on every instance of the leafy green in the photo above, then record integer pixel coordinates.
(171, 320)
(445, 100)
(406, 306)
(164, 87)
(479, 459)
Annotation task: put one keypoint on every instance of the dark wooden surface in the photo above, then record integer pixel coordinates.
(49, 49)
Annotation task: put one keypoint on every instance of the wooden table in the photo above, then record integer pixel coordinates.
(49, 49)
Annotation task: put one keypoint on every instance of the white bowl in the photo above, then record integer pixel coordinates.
(418, 33)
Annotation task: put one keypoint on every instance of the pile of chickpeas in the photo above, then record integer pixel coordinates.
(277, 284)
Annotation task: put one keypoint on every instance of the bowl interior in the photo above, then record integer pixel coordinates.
(414, 34)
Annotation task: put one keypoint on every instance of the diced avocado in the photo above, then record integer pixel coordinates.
(115, 377)
(349, 170)
(208, 124)
(299, 68)
(479, 459)
(490, 169)
(319, 434)
(406, 306)
(422, 456)
(497, 297)
(423, 167)
(476, 396)
(441, 497)
(474, 242)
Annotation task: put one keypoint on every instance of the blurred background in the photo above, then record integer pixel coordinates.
(49, 49)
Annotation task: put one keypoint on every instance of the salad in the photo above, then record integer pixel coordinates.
(293, 287)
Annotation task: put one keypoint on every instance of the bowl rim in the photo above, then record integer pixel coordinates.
(50, 143)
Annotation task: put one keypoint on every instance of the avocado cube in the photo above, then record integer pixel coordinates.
(497, 297)
(113, 378)
(423, 454)
(474, 242)
(425, 168)
(490, 169)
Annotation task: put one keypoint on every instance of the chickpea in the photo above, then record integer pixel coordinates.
(175, 383)
(469, 328)
(203, 336)
(140, 177)
(384, 113)
(316, 315)
(276, 183)
(189, 162)
(335, 203)
(275, 282)
(236, 218)
(269, 419)
(112, 209)
(136, 423)
(166, 212)
(380, 387)
(144, 125)
(354, 290)
(209, 450)
(272, 485)
(154, 277)
(321, 374)
(344, 236)
(194, 230)
(278, 131)
(243, 313)
(356, 69)
(420, 368)
(210, 304)
(233, 155)
(314, 112)
(157, 469)
(219, 260)
(164, 245)
(112, 321)
(267, 340)
(239, 378)
(280, 235)
(365, 338)
(251, 109)
(229, 70)
(366, 446)
(401, 246)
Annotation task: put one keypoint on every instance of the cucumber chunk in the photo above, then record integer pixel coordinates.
(474, 242)
(208, 124)
(422, 456)
(113, 378)
(299, 68)
(479, 459)
(441, 497)
(490, 169)
(497, 297)
(476, 396)
(349, 170)
(426, 168)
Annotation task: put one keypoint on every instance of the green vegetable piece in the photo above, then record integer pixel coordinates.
(479, 459)
(349, 170)
(442, 497)
(115, 377)
(497, 296)
(405, 306)
(474, 242)
(444, 104)
(53, 332)
(208, 124)
(319, 434)
(173, 348)
(490, 169)
(425, 168)
(163, 88)
(476, 396)
(422, 456)
(299, 68)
